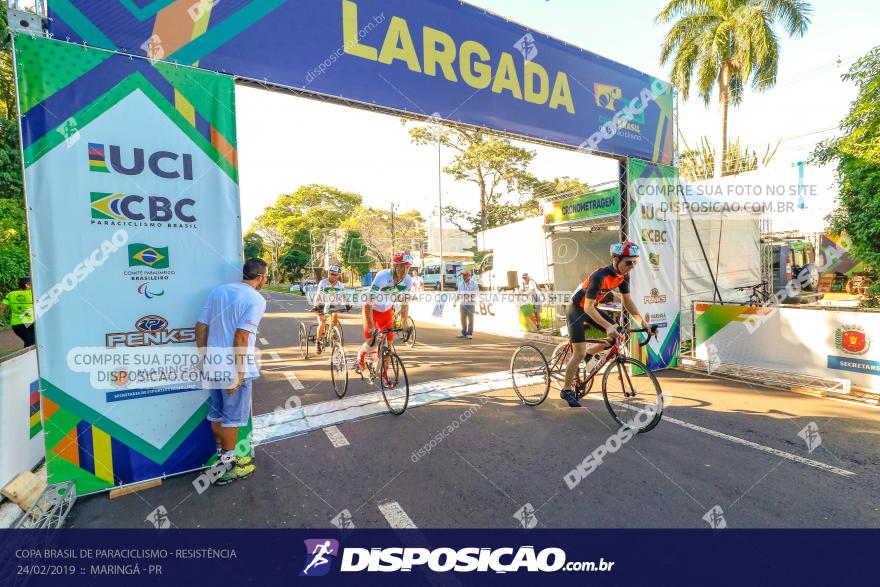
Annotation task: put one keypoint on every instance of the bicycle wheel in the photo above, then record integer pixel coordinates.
(338, 369)
(336, 335)
(303, 341)
(394, 383)
(408, 336)
(530, 374)
(632, 394)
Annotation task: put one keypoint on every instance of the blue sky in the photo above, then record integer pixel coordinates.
(286, 142)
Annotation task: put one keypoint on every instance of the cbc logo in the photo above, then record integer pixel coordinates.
(655, 236)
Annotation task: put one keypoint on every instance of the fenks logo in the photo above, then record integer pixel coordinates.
(109, 208)
(148, 256)
(656, 297)
(317, 553)
(852, 339)
(151, 330)
(164, 164)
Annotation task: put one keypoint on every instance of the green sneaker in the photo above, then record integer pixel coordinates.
(237, 471)
(241, 460)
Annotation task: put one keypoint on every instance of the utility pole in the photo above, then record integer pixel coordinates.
(392, 226)
(440, 202)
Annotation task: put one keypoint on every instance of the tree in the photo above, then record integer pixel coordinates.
(355, 255)
(698, 164)
(291, 262)
(275, 244)
(857, 154)
(496, 166)
(729, 43)
(312, 207)
(374, 227)
(253, 245)
(14, 260)
(554, 188)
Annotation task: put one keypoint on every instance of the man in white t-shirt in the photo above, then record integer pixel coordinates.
(533, 295)
(226, 330)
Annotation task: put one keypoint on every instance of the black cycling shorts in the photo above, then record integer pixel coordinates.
(579, 321)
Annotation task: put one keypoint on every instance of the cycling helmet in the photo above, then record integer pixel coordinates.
(625, 249)
(335, 269)
(402, 257)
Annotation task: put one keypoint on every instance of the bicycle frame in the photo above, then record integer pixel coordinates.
(557, 370)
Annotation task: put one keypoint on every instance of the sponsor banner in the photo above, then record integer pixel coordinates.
(834, 344)
(21, 444)
(440, 58)
(460, 556)
(587, 206)
(132, 166)
(655, 280)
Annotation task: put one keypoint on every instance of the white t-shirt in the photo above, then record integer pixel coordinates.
(228, 308)
(386, 290)
(333, 294)
(468, 291)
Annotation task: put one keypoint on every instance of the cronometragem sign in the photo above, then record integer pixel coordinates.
(431, 57)
(133, 212)
(599, 204)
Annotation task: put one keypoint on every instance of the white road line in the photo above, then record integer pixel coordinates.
(395, 515)
(275, 356)
(337, 438)
(294, 382)
(761, 447)
(263, 340)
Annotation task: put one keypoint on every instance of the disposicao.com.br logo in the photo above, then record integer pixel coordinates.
(440, 560)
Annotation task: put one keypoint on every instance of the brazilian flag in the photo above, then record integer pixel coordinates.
(149, 256)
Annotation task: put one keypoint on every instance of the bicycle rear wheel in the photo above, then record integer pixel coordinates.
(393, 382)
(530, 374)
(303, 341)
(338, 369)
(632, 394)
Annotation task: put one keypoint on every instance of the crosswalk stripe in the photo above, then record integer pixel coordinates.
(263, 340)
(275, 356)
(395, 515)
(294, 382)
(337, 438)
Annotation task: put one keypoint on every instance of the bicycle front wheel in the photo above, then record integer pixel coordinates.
(632, 394)
(530, 374)
(394, 383)
(336, 335)
(339, 370)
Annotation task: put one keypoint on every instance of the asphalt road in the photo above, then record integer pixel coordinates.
(479, 460)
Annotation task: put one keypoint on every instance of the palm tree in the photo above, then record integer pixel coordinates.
(728, 42)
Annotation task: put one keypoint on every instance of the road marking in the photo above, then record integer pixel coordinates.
(275, 356)
(761, 447)
(294, 382)
(337, 438)
(395, 515)
(263, 340)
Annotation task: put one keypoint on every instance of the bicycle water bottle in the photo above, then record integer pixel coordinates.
(592, 362)
(373, 358)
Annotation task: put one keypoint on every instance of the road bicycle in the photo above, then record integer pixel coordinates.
(758, 295)
(631, 392)
(308, 335)
(408, 334)
(383, 366)
(858, 284)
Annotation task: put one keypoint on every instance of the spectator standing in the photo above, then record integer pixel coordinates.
(21, 308)
(227, 328)
(467, 299)
(533, 294)
(417, 283)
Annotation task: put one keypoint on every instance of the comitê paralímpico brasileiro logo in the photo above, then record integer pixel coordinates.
(852, 339)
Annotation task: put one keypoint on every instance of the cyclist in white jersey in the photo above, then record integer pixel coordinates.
(329, 290)
(389, 286)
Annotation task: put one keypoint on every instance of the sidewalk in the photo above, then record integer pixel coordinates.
(8, 342)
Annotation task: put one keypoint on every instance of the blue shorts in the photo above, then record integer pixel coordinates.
(231, 410)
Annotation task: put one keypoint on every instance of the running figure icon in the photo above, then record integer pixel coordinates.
(318, 552)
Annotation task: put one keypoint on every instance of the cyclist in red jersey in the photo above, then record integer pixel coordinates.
(584, 309)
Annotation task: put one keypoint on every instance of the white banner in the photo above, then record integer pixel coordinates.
(21, 439)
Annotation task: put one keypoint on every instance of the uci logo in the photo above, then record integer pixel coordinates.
(164, 164)
(133, 207)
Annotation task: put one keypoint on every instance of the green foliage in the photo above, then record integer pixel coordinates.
(857, 153)
(291, 262)
(374, 227)
(355, 254)
(313, 208)
(253, 245)
(698, 164)
(14, 262)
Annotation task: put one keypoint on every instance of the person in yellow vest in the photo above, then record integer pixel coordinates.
(21, 306)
